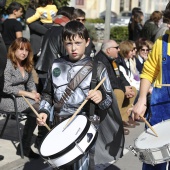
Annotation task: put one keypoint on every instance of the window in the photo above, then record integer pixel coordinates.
(79, 2)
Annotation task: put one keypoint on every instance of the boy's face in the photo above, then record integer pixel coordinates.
(76, 47)
(18, 13)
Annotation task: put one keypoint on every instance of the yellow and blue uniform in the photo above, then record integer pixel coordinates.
(157, 69)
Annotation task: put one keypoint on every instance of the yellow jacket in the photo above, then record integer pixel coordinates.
(45, 14)
(152, 69)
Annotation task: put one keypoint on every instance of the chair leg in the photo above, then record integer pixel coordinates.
(3, 129)
(19, 135)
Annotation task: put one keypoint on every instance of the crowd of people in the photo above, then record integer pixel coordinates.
(60, 50)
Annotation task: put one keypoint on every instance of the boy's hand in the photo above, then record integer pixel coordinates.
(96, 96)
(42, 119)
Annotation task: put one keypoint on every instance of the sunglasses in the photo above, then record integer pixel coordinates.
(144, 49)
(115, 47)
(134, 48)
(83, 20)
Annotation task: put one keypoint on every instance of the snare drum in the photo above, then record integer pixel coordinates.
(62, 148)
(151, 149)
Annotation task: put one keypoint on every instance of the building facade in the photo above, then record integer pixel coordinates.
(93, 8)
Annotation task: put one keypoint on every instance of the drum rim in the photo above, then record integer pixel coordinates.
(71, 146)
(137, 139)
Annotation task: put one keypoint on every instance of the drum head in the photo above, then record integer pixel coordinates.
(148, 140)
(58, 140)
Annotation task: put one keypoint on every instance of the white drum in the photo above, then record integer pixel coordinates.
(62, 148)
(151, 149)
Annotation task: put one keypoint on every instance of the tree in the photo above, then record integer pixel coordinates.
(60, 3)
(23, 2)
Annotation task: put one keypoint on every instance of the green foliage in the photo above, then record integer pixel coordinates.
(91, 31)
(23, 2)
(119, 33)
(60, 3)
(96, 20)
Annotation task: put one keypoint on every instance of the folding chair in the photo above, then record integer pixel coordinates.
(18, 120)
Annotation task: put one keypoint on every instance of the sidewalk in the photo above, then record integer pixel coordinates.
(11, 161)
(8, 144)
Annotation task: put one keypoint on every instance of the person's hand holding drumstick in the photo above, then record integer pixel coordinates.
(95, 96)
(140, 107)
(41, 120)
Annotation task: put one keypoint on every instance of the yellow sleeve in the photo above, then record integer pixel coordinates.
(152, 68)
(35, 17)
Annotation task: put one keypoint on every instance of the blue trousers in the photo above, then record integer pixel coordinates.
(161, 166)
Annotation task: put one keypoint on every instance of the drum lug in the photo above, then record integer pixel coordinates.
(89, 137)
(79, 148)
(132, 149)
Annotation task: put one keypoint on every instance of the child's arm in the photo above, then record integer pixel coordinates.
(33, 18)
(18, 34)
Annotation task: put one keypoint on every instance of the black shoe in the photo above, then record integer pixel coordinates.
(30, 154)
(1, 157)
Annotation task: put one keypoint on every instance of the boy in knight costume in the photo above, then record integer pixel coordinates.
(65, 69)
(156, 69)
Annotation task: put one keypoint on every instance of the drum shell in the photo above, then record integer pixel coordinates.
(158, 148)
(75, 150)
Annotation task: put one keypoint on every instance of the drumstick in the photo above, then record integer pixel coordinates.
(35, 112)
(149, 125)
(81, 106)
(163, 85)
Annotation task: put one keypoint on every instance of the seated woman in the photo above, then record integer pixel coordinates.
(18, 81)
(126, 52)
(142, 53)
(133, 67)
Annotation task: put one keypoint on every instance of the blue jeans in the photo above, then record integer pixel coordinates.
(161, 166)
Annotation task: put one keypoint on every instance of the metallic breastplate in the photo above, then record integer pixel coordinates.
(62, 73)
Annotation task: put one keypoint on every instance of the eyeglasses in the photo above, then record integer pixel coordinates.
(145, 50)
(83, 20)
(115, 47)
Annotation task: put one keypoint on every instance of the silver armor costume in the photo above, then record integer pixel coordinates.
(110, 141)
(59, 76)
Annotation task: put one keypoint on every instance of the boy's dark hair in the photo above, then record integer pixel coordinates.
(135, 9)
(78, 13)
(33, 4)
(66, 11)
(14, 6)
(74, 28)
(166, 16)
(43, 3)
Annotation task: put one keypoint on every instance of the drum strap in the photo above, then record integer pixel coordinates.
(74, 83)
(93, 85)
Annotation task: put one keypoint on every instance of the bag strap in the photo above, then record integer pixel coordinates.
(93, 85)
(74, 83)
